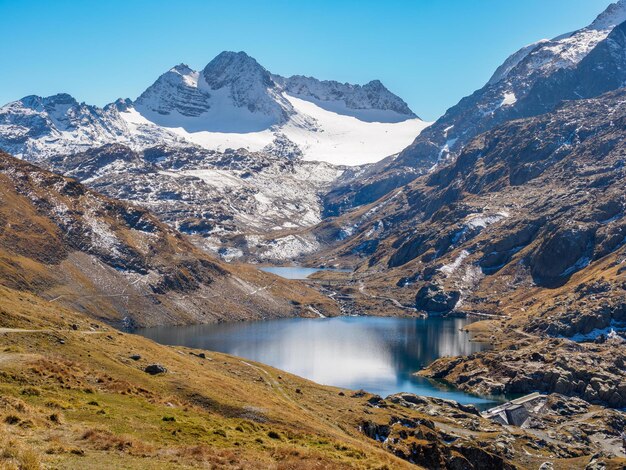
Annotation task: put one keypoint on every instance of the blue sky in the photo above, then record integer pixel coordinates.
(429, 52)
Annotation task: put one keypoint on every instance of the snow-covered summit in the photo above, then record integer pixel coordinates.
(369, 102)
(229, 68)
(36, 127)
(566, 51)
(176, 91)
(532, 81)
(614, 14)
(233, 102)
(513, 60)
(232, 94)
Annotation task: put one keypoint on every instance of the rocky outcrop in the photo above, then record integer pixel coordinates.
(155, 369)
(574, 428)
(564, 251)
(420, 441)
(433, 299)
(590, 371)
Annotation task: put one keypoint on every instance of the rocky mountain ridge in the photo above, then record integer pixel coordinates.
(526, 225)
(234, 102)
(238, 204)
(531, 82)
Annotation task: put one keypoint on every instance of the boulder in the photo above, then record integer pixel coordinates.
(154, 369)
(433, 299)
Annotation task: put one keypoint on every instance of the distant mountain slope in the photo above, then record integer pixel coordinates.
(238, 204)
(233, 102)
(525, 206)
(526, 228)
(119, 263)
(35, 127)
(582, 64)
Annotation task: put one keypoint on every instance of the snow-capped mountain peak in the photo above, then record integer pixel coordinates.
(233, 102)
(247, 84)
(176, 91)
(182, 69)
(533, 81)
(371, 102)
(232, 94)
(232, 67)
(614, 14)
(566, 51)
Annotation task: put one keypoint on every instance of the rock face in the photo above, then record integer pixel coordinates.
(176, 91)
(565, 251)
(237, 204)
(534, 80)
(433, 299)
(592, 372)
(528, 205)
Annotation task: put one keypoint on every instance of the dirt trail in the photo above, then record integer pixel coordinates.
(47, 330)
(22, 330)
(395, 302)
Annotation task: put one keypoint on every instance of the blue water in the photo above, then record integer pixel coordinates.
(379, 355)
(297, 272)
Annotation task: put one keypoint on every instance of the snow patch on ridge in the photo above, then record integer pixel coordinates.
(450, 268)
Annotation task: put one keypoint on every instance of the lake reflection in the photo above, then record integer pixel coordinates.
(298, 272)
(375, 354)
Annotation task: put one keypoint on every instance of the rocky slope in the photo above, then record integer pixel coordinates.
(117, 262)
(528, 218)
(238, 204)
(533, 81)
(234, 102)
(172, 149)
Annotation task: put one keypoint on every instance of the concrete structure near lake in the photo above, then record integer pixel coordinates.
(515, 412)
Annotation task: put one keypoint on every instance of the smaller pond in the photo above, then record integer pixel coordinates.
(298, 272)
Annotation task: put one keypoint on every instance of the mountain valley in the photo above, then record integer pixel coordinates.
(166, 211)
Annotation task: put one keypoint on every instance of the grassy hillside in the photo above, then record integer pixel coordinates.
(73, 394)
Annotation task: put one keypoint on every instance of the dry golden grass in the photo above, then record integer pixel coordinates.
(74, 399)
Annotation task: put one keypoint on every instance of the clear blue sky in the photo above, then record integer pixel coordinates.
(430, 52)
